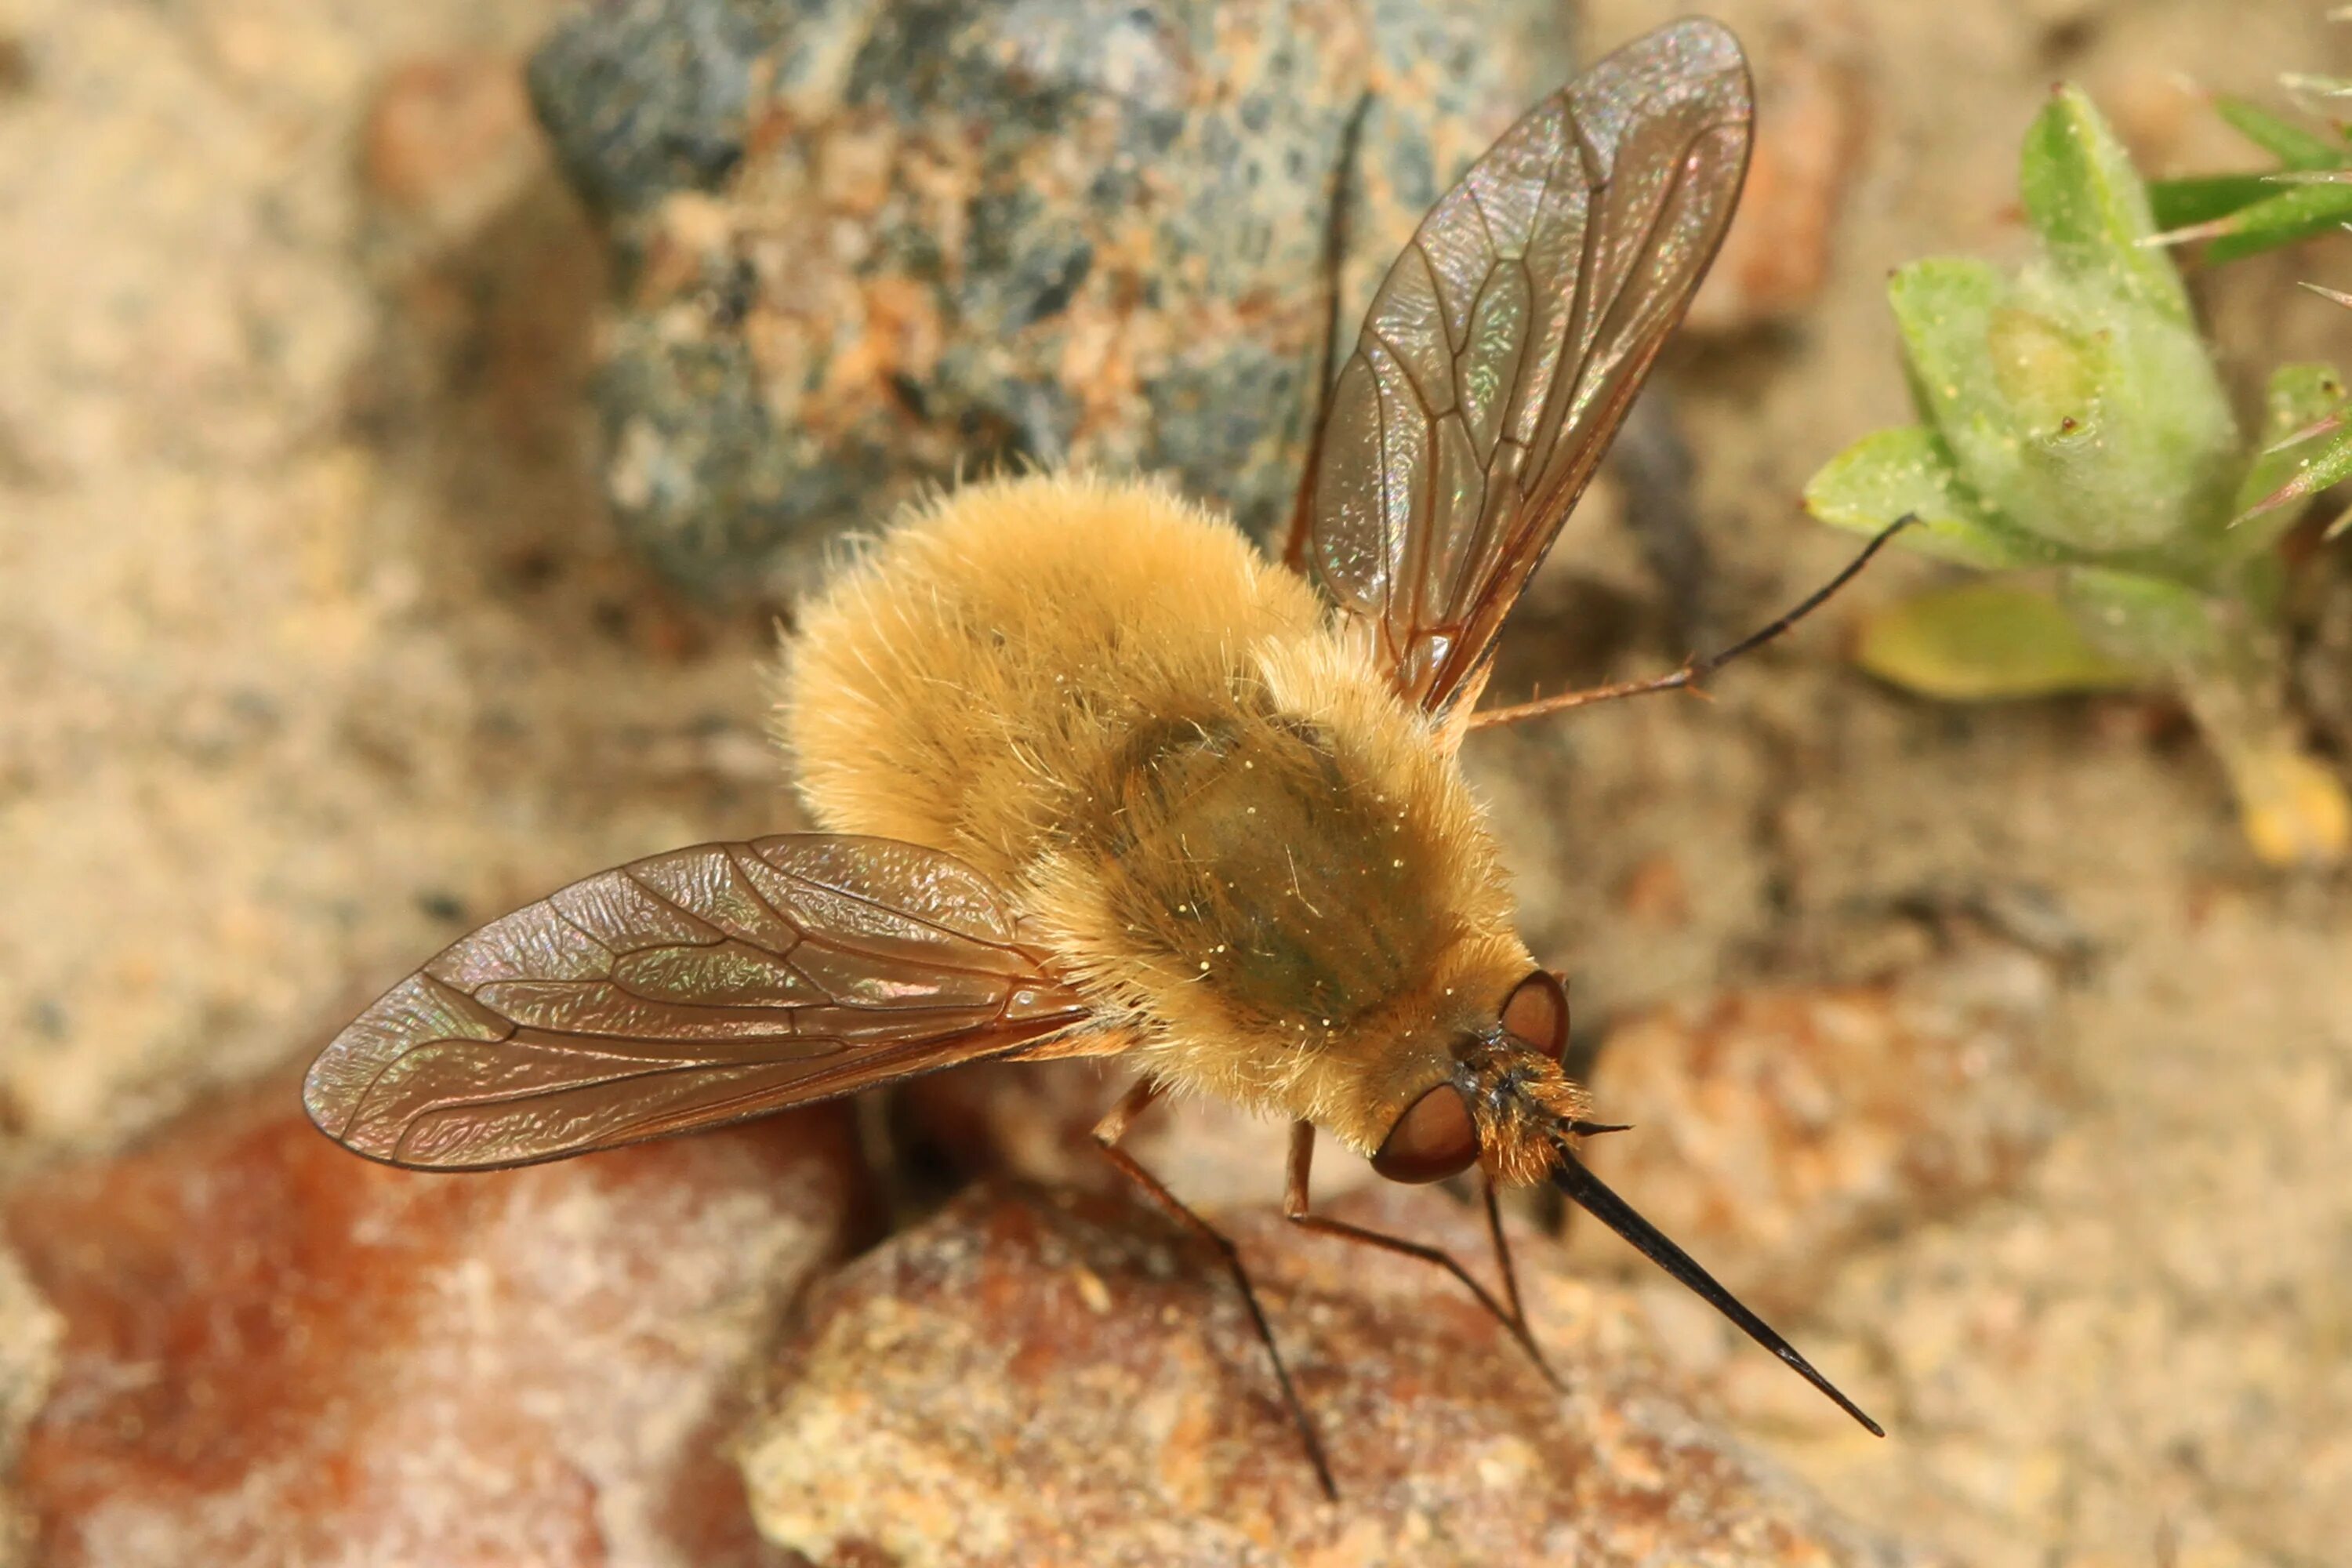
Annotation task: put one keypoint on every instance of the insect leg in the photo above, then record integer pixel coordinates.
(1502, 1245)
(1294, 1209)
(1108, 1133)
(1694, 670)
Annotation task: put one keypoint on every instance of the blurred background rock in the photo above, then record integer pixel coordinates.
(364, 374)
(865, 248)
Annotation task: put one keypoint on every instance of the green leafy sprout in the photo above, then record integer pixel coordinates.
(2306, 193)
(2077, 442)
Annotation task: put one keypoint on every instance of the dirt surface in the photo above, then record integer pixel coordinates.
(316, 648)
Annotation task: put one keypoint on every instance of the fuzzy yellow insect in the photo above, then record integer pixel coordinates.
(1100, 779)
(1264, 872)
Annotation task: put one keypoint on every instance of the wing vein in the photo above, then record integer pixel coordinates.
(1646, 152)
(454, 1073)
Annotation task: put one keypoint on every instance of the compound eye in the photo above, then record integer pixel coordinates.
(1433, 1138)
(1536, 1013)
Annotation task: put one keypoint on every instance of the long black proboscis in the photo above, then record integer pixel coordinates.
(1596, 1199)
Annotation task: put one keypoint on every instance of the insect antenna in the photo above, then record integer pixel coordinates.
(1597, 1199)
(1695, 670)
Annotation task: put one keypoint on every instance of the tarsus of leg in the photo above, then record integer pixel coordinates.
(1294, 1208)
(1107, 1133)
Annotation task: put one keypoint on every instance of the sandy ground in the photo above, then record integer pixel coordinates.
(315, 649)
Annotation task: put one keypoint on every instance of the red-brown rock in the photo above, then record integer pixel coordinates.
(1809, 125)
(447, 137)
(1070, 1380)
(1777, 1130)
(275, 1352)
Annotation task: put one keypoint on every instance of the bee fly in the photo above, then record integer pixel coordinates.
(1098, 779)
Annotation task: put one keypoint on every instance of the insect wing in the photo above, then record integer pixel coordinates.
(1505, 346)
(684, 991)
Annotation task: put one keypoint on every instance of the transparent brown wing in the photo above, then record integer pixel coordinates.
(1507, 343)
(684, 991)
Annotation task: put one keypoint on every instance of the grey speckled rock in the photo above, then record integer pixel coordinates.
(866, 245)
(645, 97)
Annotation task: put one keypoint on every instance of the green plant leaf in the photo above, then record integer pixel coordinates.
(2048, 370)
(2111, 434)
(2315, 463)
(2297, 406)
(2147, 621)
(2291, 213)
(2087, 202)
(2202, 198)
(2298, 396)
(1890, 473)
(1943, 307)
(2293, 145)
(2242, 215)
(1983, 641)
